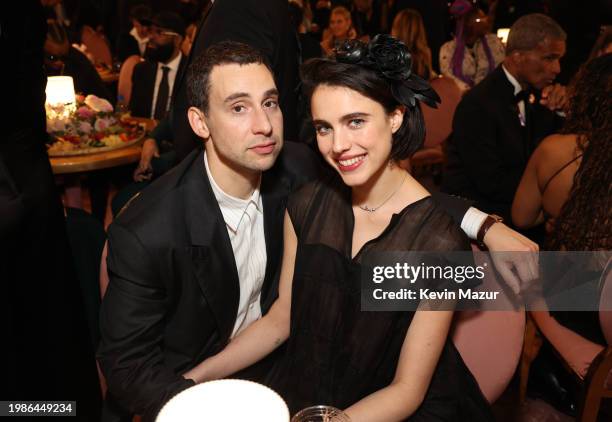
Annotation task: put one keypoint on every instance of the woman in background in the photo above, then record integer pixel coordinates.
(474, 52)
(340, 28)
(408, 27)
(568, 184)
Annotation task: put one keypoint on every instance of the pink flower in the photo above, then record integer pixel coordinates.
(85, 112)
(85, 127)
(102, 124)
(98, 104)
(56, 125)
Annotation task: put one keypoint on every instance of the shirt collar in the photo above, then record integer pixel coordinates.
(234, 209)
(172, 64)
(513, 81)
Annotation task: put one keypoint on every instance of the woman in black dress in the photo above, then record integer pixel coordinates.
(378, 366)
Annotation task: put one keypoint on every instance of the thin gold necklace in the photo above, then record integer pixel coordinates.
(368, 209)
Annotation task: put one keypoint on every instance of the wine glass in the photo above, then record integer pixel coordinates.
(320, 414)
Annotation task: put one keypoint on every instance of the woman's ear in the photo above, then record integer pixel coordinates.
(197, 121)
(397, 117)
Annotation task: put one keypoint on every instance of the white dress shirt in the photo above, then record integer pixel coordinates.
(517, 89)
(173, 65)
(244, 221)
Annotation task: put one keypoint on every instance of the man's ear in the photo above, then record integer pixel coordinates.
(397, 117)
(197, 121)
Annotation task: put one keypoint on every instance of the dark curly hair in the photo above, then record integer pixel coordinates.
(584, 222)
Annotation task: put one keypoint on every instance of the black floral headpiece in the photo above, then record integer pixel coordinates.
(390, 58)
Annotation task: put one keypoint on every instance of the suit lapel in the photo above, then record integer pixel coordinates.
(149, 86)
(211, 251)
(511, 113)
(274, 193)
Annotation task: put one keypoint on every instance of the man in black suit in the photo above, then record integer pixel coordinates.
(264, 25)
(153, 80)
(196, 256)
(499, 122)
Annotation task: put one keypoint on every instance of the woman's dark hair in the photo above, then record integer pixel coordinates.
(380, 71)
(584, 222)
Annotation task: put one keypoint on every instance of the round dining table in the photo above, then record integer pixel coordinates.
(101, 160)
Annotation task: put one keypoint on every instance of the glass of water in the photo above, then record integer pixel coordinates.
(320, 414)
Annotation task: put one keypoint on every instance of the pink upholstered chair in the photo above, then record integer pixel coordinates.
(124, 86)
(438, 124)
(490, 342)
(97, 45)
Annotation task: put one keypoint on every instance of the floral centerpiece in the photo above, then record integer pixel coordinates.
(88, 126)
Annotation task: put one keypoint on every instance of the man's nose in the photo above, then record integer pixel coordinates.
(261, 122)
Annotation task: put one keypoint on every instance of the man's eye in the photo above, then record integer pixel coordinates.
(271, 104)
(356, 123)
(238, 108)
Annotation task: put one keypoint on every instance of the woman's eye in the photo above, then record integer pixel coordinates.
(322, 130)
(356, 123)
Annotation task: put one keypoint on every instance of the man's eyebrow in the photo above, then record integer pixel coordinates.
(235, 96)
(271, 92)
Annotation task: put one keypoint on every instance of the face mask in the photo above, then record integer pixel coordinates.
(162, 53)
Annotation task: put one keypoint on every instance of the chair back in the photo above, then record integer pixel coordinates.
(439, 121)
(490, 342)
(124, 86)
(97, 45)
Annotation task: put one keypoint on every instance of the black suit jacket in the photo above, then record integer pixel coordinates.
(261, 24)
(143, 84)
(489, 149)
(173, 295)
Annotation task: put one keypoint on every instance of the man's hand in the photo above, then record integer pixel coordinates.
(554, 97)
(500, 238)
(144, 171)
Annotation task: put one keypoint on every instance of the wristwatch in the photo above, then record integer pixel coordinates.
(486, 225)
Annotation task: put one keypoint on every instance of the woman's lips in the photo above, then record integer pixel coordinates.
(350, 164)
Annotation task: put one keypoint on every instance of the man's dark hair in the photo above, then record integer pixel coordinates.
(408, 138)
(530, 30)
(225, 52)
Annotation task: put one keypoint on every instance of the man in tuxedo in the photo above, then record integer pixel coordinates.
(196, 257)
(264, 25)
(500, 121)
(153, 80)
